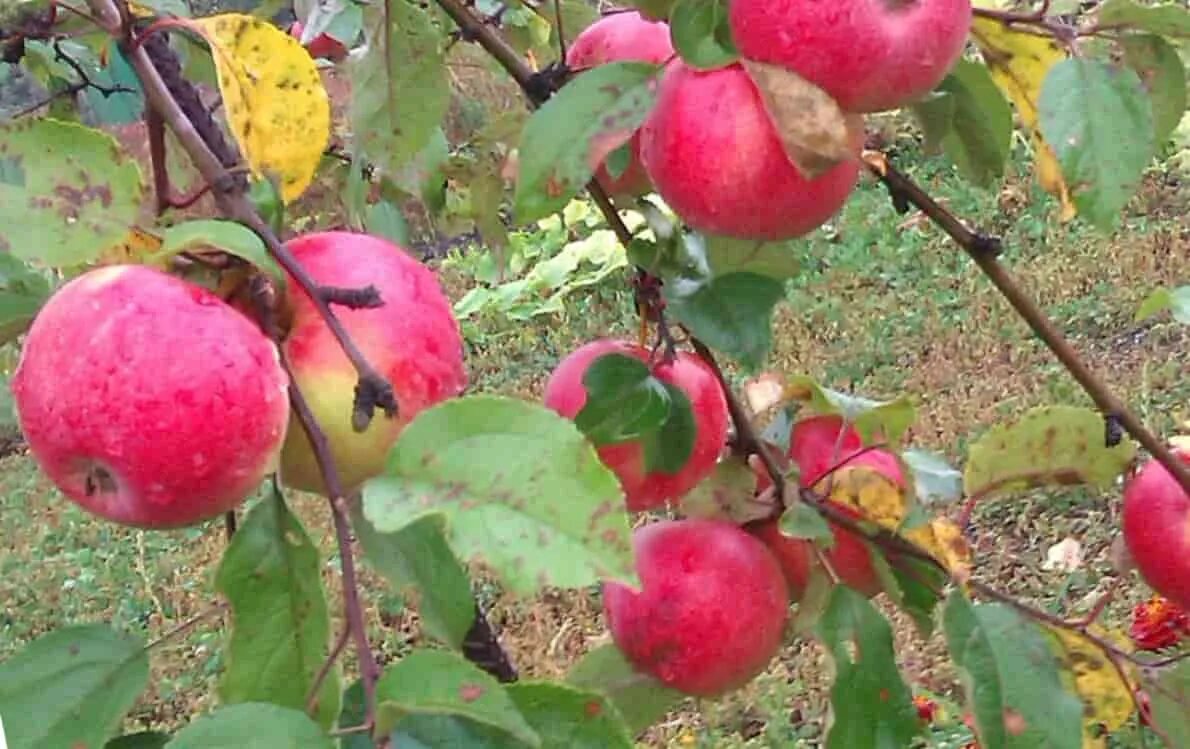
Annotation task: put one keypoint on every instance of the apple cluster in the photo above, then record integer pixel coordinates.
(714, 600)
(710, 147)
(151, 401)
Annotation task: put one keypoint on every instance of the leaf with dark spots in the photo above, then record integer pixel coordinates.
(514, 461)
(77, 194)
(1049, 445)
(569, 136)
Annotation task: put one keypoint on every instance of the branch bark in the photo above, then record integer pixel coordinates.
(984, 250)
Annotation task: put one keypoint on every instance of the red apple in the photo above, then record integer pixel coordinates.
(322, 46)
(148, 400)
(817, 444)
(618, 37)
(869, 55)
(1156, 521)
(711, 611)
(413, 340)
(566, 394)
(715, 157)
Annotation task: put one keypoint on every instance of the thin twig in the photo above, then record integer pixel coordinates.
(983, 250)
(324, 671)
(206, 613)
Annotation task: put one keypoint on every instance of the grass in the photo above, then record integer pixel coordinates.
(884, 305)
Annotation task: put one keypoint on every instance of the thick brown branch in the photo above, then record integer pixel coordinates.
(983, 250)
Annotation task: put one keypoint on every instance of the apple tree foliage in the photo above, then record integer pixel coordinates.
(1097, 93)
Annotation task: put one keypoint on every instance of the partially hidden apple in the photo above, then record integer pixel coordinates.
(622, 36)
(716, 158)
(1156, 525)
(817, 445)
(148, 400)
(413, 340)
(711, 611)
(566, 395)
(869, 55)
(322, 46)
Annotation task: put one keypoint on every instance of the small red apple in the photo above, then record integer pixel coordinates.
(322, 46)
(566, 394)
(148, 400)
(413, 340)
(817, 444)
(869, 55)
(617, 37)
(1156, 521)
(715, 157)
(711, 611)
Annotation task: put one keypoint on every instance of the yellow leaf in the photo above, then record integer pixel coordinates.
(884, 503)
(1018, 62)
(136, 246)
(275, 101)
(1106, 696)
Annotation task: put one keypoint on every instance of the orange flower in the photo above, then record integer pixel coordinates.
(926, 708)
(1158, 623)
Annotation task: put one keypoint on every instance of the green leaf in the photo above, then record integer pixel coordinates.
(384, 219)
(667, 449)
(569, 718)
(935, 480)
(442, 683)
(1169, 700)
(520, 486)
(917, 591)
(731, 313)
(726, 495)
(701, 34)
(1176, 301)
(871, 418)
(280, 625)
(618, 161)
(640, 698)
(252, 724)
(624, 400)
(140, 740)
(981, 137)
(1099, 121)
(1049, 445)
(1164, 76)
(1169, 19)
(935, 115)
(418, 556)
(265, 195)
(22, 293)
(1010, 676)
(71, 687)
(800, 520)
(113, 108)
(395, 111)
(870, 704)
(229, 236)
(67, 192)
(571, 134)
(727, 255)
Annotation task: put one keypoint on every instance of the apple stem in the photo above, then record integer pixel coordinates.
(984, 250)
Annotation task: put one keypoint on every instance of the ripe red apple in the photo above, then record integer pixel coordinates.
(1156, 521)
(566, 394)
(322, 46)
(715, 157)
(413, 340)
(869, 55)
(148, 400)
(613, 38)
(817, 444)
(711, 611)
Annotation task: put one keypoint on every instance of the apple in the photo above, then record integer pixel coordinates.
(148, 400)
(868, 55)
(711, 611)
(1156, 517)
(618, 37)
(817, 444)
(322, 46)
(566, 395)
(413, 340)
(715, 157)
